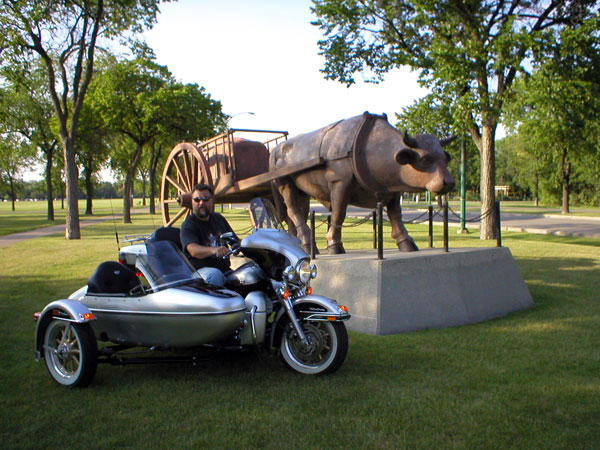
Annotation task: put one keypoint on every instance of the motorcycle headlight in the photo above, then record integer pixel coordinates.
(304, 272)
(313, 271)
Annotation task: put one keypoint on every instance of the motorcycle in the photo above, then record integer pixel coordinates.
(154, 298)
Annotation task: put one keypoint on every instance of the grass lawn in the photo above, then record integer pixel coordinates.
(528, 380)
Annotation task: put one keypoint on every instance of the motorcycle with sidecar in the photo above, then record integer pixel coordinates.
(154, 298)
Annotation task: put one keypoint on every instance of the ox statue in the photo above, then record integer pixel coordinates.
(360, 161)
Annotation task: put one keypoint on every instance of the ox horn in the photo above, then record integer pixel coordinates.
(447, 140)
(410, 141)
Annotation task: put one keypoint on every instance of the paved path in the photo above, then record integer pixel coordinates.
(530, 223)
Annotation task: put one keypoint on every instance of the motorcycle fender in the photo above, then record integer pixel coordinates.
(309, 307)
(319, 308)
(67, 310)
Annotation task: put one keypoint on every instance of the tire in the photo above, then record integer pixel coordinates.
(326, 352)
(71, 353)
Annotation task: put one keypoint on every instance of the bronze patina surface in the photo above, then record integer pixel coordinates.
(364, 161)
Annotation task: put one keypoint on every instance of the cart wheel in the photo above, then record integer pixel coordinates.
(186, 166)
(71, 353)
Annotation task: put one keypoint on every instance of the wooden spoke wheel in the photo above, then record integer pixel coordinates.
(186, 166)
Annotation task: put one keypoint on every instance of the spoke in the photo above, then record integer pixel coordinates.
(51, 349)
(171, 201)
(181, 212)
(188, 170)
(180, 172)
(179, 187)
(64, 337)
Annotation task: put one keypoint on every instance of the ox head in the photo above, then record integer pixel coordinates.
(426, 162)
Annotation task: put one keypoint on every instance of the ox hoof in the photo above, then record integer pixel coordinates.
(336, 249)
(408, 245)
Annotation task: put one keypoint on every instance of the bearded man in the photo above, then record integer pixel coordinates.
(200, 233)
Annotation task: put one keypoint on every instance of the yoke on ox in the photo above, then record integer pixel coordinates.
(365, 161)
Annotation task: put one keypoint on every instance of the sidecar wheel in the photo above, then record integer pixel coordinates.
(326, 352)
(71, 353)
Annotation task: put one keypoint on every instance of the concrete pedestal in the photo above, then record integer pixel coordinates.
(420, 290)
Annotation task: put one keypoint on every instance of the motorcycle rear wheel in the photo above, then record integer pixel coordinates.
(70, 353)
(326, 352)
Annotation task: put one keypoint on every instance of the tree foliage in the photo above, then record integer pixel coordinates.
(65, 34)
(556, 110)
(468, 53)
(142, 102)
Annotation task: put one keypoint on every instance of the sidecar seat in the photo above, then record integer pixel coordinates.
(112, 277)
(167, 234)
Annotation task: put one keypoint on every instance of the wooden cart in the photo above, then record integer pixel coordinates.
(234, 164)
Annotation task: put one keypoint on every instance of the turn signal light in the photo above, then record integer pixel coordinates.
(309, 290)
(286, 294)
(88, 316)
(344, 308)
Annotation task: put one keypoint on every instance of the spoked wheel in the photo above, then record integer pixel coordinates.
(327, 349)
(71, 353)
(186, 166)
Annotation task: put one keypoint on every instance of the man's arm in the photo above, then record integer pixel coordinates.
(203, 251)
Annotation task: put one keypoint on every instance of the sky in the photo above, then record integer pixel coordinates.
(262, 56)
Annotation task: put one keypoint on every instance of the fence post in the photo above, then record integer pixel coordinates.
(445, 223)
(374, 228)
(499, 230)
(379, 230)
(430, 210)
(313, 242)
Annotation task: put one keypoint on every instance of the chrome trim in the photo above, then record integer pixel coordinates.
(253, 324)
(323, 317)
(168, 313)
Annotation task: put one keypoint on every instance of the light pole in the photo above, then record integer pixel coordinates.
(237, 114)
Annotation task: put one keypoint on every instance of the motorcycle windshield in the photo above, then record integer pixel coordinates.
(165, 265)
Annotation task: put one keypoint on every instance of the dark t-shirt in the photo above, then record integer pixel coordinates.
(205, 232)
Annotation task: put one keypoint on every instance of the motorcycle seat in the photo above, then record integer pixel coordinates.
(112, 277)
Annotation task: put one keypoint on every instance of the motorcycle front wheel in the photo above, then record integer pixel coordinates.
(326, 350)
(70, 353)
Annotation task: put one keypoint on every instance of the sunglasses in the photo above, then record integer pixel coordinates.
(204, 198)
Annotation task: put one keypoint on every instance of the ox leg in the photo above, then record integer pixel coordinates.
(294, 200)
(339, 203)
(399, 233)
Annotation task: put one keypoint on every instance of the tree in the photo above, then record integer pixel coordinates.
(65, 34)
(140, 99)
(15, 157)
(467, 52)
(557, 107)
(26, 109)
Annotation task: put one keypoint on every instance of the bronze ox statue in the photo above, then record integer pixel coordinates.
(361, 161)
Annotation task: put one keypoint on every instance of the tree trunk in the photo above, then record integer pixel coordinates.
(13, 194)
(128, 188)
(152, 177)
(72, 230)
(152, 192)
(489, 222)
(536, 191)
(49, 189)
(566, 175)
(89, 192)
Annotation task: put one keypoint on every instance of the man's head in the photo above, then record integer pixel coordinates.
(203, 201)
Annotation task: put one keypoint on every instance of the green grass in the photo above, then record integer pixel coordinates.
(32, 215)
(529, 380)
